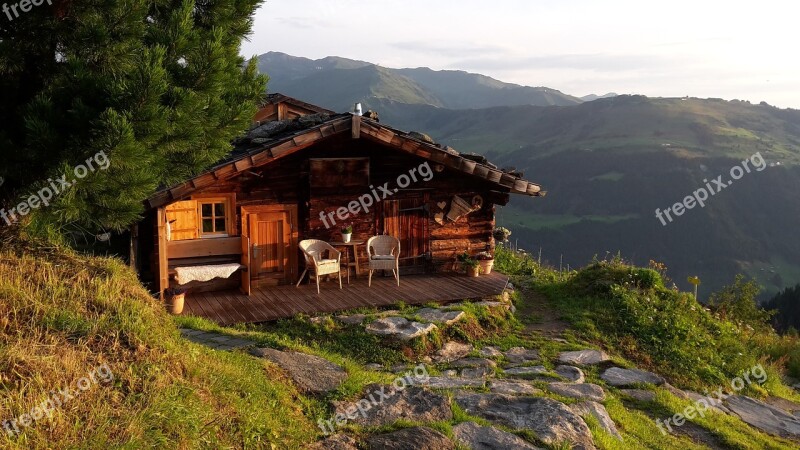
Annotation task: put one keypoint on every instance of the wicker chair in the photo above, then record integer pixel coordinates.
(384, 254)
(313, 251)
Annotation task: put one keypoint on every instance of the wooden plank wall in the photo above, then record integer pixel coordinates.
(286, 181)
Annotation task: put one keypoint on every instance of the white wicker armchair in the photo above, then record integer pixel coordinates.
(313, 251)
(384, 254)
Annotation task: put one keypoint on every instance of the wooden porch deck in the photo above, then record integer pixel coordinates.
(278, 302)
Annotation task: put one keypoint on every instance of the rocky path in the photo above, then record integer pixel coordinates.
(514, 390)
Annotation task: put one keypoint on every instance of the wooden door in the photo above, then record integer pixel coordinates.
(273, 245)
(407, 220)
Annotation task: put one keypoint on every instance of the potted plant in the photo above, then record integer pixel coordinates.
(471, 265)
(501, 234)
(175, 299)
(486, 261)
(347, 233)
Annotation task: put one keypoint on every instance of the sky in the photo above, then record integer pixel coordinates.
(727, 49)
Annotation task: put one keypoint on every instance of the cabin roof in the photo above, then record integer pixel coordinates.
(276, 98)
(269, 141)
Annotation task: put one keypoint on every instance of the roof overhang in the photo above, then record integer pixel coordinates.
(358, 127)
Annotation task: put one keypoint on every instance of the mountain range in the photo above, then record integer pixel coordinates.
(335, 82)
(608, 162)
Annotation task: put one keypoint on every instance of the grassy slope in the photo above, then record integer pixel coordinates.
(68, 314)
(626, 311)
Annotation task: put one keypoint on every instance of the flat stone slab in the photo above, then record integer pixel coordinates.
(355, 319)
(477, 437)
(335, 442)
(452, 382)
(311, 373)
(490, 352)
(583, 357)
(513, 387)
(599, 412)
(714, 403)
(526, 371)
(766, 418)
(619, 377)
(452, 351)
(781, 403)
(571, 373)
(642, 395)
(473, 362)
(477, 372)
(435, 315)
(521, 355)
(581, 391)
(551, 421)
(384, 405)
(399, 328)
(417, 438)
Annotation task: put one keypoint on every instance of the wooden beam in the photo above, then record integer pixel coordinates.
(181, 190)
(355, 129)
(195, 248)
(281, 111)
(243, 164)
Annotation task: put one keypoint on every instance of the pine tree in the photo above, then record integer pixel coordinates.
(157, 86)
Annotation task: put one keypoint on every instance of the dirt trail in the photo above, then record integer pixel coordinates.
(545, 320)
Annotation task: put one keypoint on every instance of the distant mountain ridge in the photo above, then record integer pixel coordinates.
(607, 164)
(337, 83)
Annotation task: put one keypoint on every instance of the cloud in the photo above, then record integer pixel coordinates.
(451, 50)
(306, 23)
(597, 62)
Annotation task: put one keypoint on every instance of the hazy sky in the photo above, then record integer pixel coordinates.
(729, 49)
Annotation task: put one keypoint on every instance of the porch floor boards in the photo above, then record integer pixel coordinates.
(278, 302)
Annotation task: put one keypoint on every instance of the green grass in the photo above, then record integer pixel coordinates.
(68, 314)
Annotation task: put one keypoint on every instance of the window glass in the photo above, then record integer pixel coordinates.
(213, 218)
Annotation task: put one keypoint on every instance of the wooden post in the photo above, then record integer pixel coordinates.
(134, 250)
(163, 258)
(245, 261)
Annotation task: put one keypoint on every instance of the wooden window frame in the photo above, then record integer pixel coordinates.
(229, 202)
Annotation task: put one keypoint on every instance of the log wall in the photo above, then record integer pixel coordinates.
(286, 181)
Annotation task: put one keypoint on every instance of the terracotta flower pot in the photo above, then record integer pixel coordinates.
(473, 272)
(175, 303)
(486, 265)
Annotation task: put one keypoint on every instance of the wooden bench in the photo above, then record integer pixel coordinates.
(211, 251)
